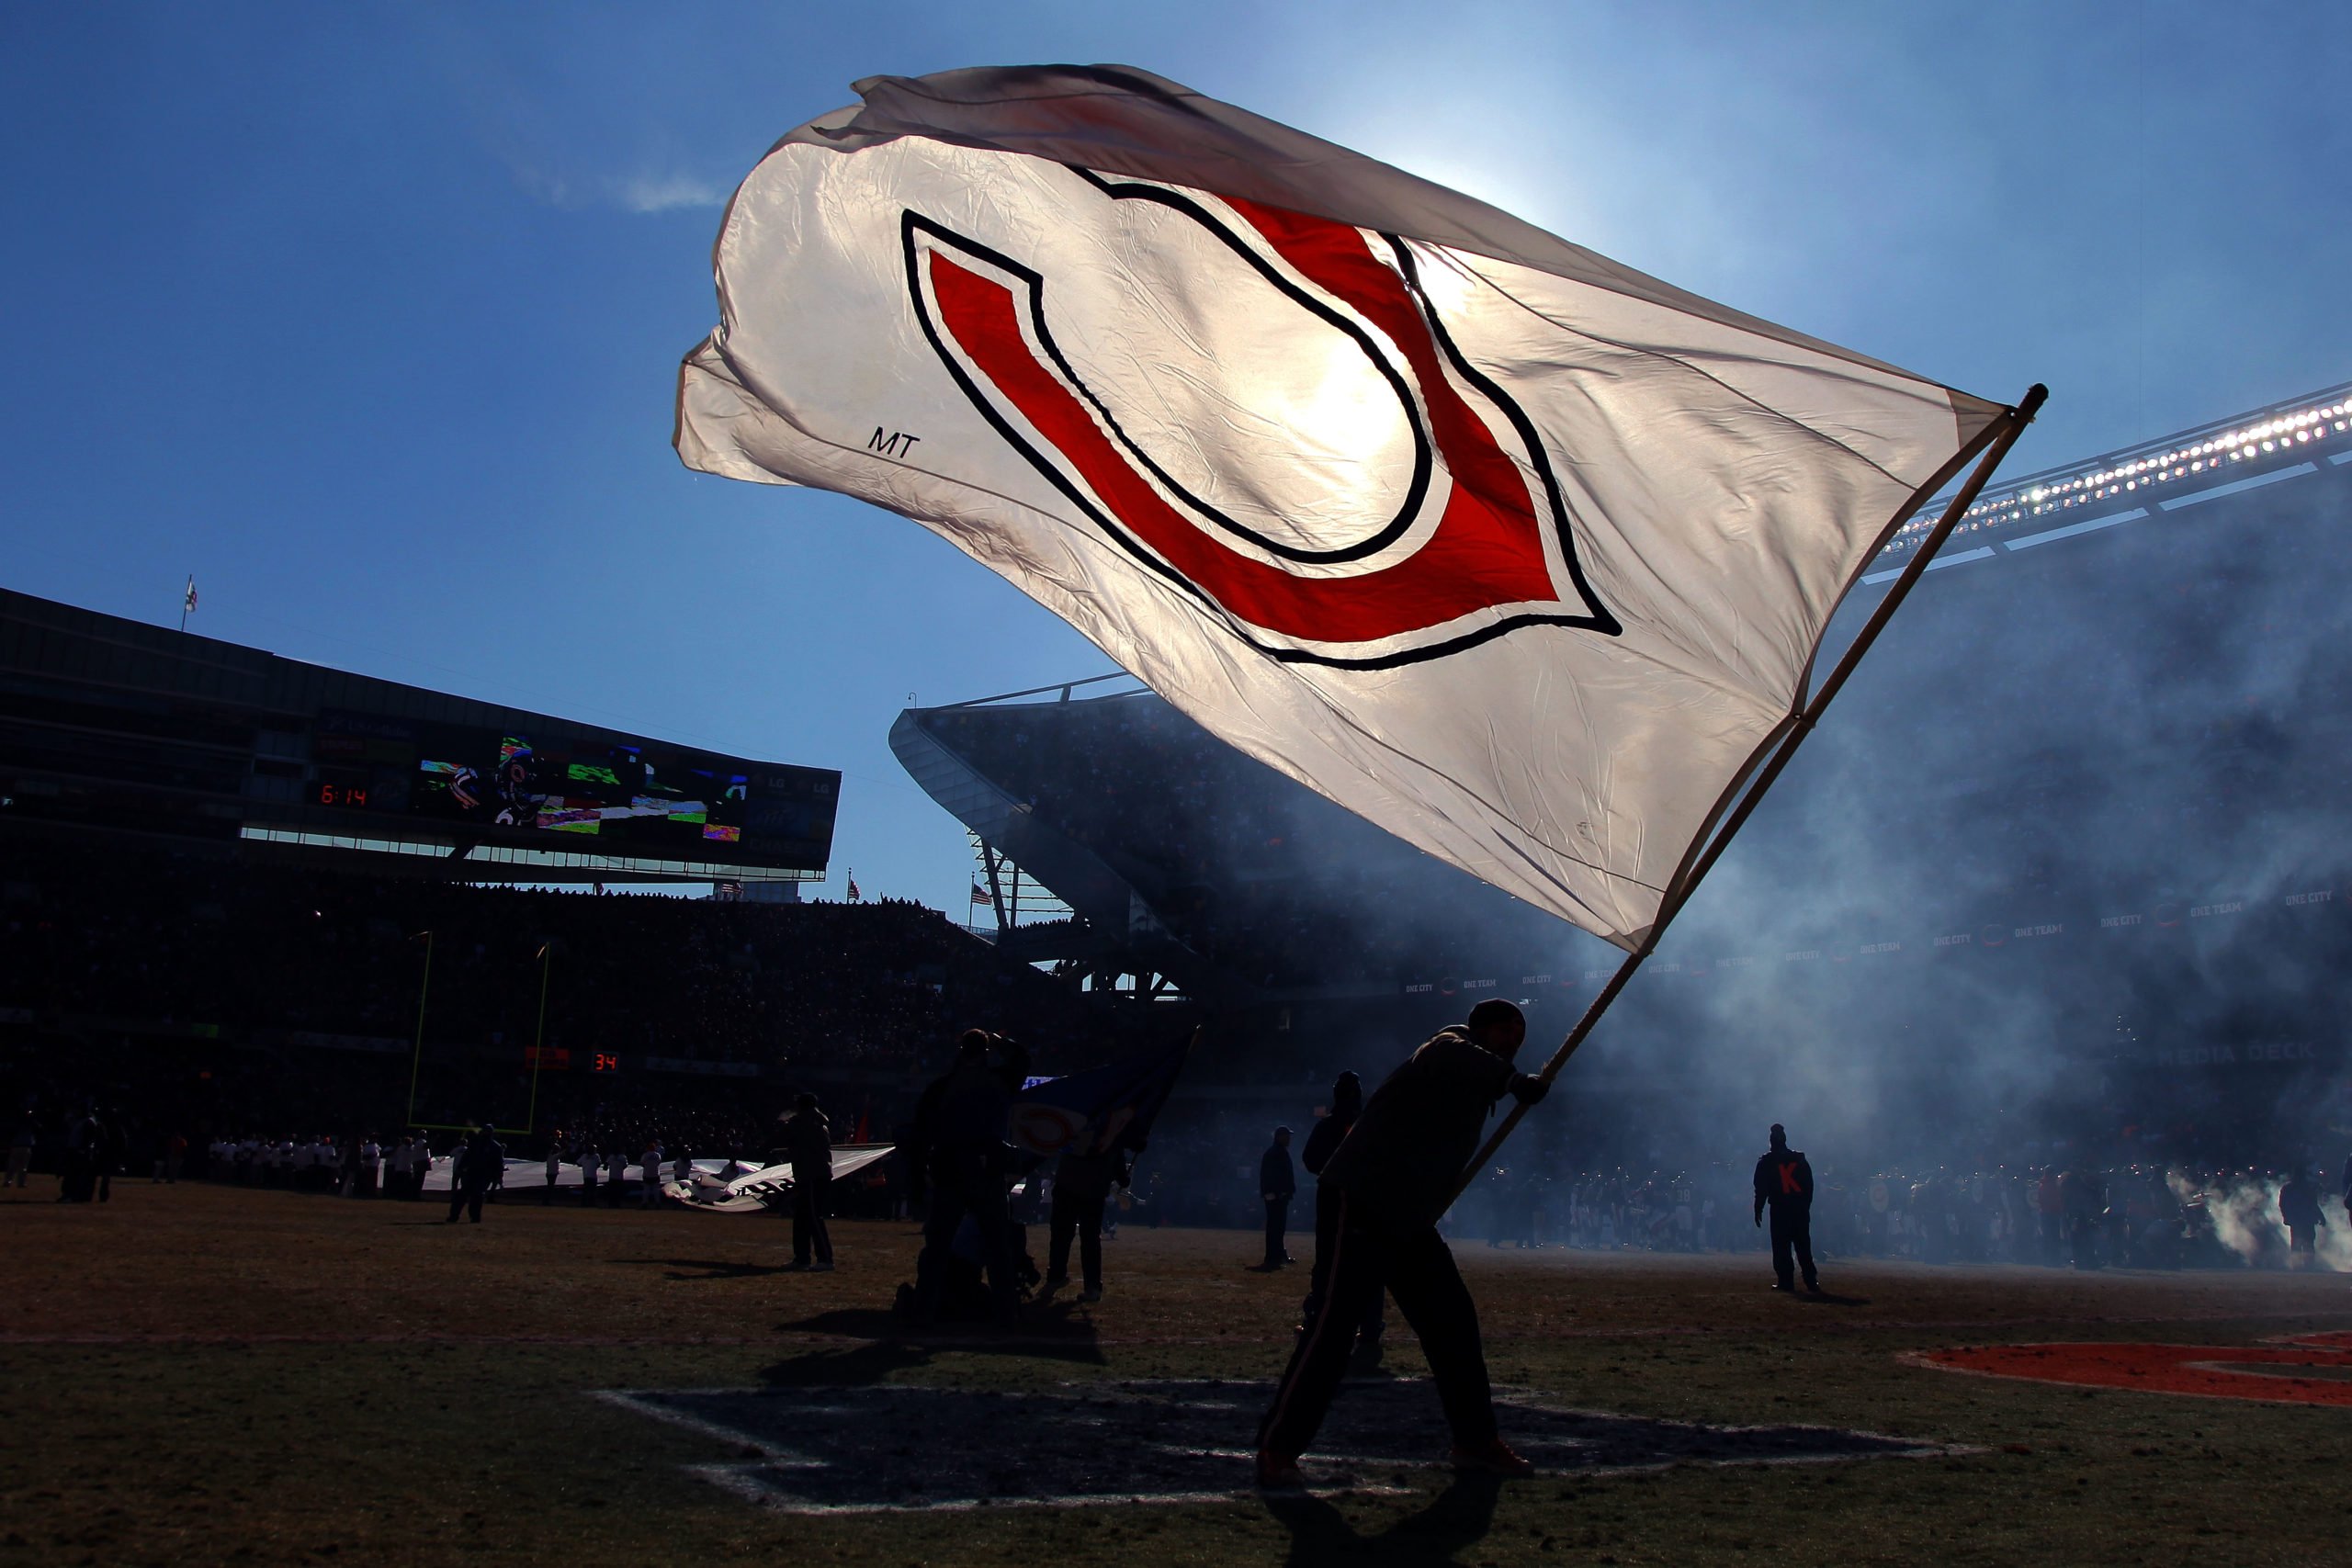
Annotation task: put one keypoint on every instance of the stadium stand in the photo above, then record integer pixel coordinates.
(2094, 766)
(2079, 814)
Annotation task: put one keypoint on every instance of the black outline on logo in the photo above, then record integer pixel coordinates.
(1423, 460)
(1600, 620)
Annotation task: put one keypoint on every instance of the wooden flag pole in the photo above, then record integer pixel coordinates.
(539, 1039)
(416, 1060)
(1994, 444)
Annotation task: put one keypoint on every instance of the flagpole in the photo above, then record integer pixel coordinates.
(416, 1061)
(539, 1040)
(2000, 436)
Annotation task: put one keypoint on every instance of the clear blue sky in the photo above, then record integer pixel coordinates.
(369, 316)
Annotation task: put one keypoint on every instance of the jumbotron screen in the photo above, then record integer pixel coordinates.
(656, 802)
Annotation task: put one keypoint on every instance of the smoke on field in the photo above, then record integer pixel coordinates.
(2244, 1215)
(2091, 792)
(2058, 877)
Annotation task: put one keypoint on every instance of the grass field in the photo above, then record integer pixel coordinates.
(195, 1374)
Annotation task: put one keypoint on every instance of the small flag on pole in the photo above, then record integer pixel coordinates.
(853, 894)
(187, 600)
(979, 894)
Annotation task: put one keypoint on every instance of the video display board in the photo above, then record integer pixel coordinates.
(656, 802)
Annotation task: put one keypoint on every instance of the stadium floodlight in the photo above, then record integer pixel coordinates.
(2247, 439)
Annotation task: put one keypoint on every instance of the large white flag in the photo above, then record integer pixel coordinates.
(1512, 550)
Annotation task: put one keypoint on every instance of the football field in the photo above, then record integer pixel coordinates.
(203, 1374)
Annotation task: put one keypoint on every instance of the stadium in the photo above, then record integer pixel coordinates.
(2070, 823)
(1954, 836)
(2059, 888)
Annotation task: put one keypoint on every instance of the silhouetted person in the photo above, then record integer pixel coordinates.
(1082, 1183)
(22, 1142)
(1785, 1184)
(476, 1169)
(1395, 1173)
(649, 1171)
(961, 1158)
(2299, 1207)
(111, 1146)
(1347, 1104)
(1277, 1184)
(85, 1137)
(2082, 1200)
(808, 1140)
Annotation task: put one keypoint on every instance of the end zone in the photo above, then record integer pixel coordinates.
(2304, 1368)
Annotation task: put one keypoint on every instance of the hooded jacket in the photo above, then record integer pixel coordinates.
(1399, 1164)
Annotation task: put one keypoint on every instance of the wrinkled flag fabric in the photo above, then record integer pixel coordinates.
(1515, 551)
(1101, 1109)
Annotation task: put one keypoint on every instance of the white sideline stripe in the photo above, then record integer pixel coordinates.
(630, 1400)
(742, 1481)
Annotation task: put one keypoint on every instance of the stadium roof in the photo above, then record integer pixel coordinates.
(2285, 441)
(1186, 855)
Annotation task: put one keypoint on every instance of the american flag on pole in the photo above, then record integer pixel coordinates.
(1513, 550)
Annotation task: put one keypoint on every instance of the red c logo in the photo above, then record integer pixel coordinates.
(1498, 553)
(1047, 1129)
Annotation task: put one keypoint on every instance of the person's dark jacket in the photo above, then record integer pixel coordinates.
(2298, 1206)
(960, 1121)
(1275, 1179)
(1323, 1142)
(1400, 1163)
(808, 1145)
(1783, 1180)
(483, 1162)
(1089, 1176)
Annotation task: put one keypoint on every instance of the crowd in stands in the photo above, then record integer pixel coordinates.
(229, 944)
(162, 1013)
(188, 997)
